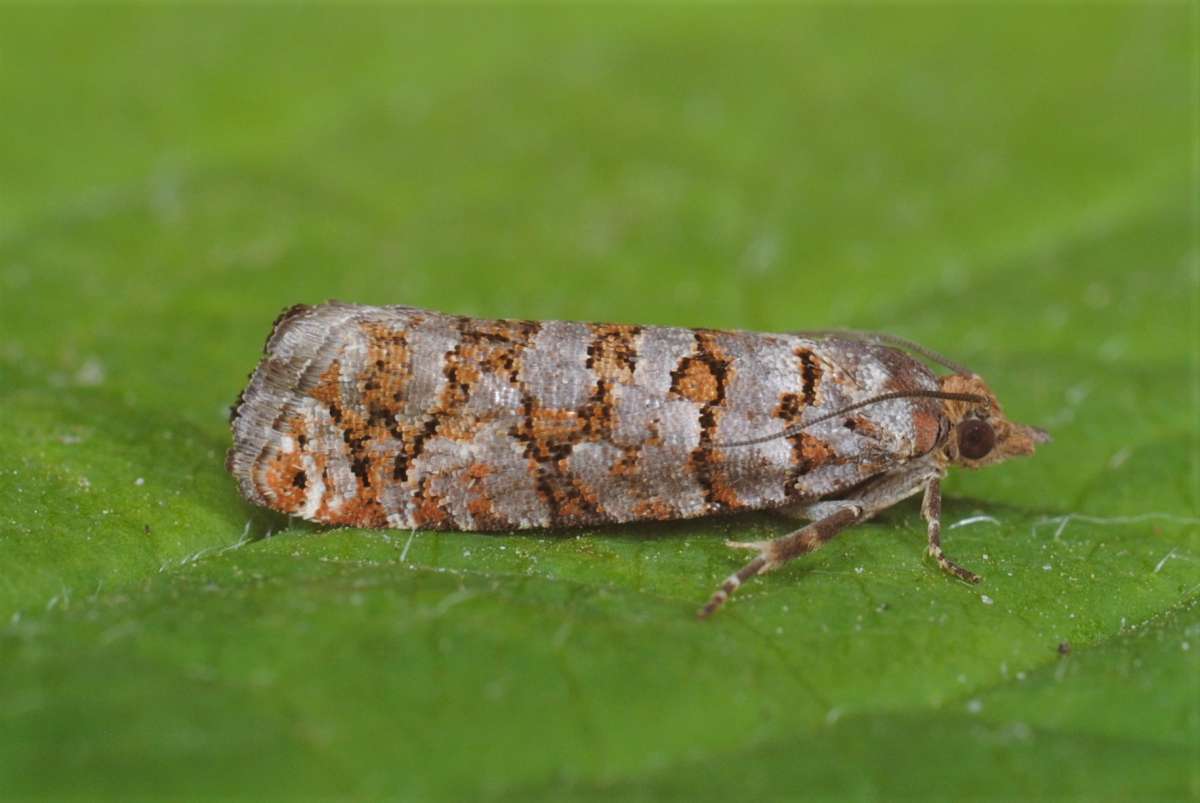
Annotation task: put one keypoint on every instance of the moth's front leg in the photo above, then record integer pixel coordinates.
(931, 508)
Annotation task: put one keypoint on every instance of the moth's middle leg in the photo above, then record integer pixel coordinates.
(777, 551)
(814, 511)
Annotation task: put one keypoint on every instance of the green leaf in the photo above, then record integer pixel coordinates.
(1013, 186)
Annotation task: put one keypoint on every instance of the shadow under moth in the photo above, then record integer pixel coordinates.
(400, 417)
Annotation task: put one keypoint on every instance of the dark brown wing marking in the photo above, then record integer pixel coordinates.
(702, 378)
(807, 452)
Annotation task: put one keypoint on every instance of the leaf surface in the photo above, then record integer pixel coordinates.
(1008, 185)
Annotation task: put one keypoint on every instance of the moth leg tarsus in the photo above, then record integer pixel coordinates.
(931, 508)
(731, 584)
(951, 568)
(778, 551)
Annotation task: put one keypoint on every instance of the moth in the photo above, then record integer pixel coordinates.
(401, 417)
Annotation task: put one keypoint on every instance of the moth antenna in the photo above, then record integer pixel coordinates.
(898, 394)
(891, 340)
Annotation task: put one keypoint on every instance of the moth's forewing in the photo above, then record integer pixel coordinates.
(395, 416)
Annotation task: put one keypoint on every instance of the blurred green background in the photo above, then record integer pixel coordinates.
(1010, 184)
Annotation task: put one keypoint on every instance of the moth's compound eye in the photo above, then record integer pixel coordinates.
(975, 438)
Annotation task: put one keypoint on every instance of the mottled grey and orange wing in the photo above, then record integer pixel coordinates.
(394, 416)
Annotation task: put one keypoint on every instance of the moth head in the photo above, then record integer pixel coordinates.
(980, 434)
